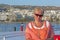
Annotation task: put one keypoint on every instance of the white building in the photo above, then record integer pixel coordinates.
(9, 15)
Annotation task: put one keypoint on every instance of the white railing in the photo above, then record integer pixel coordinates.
(17, 35)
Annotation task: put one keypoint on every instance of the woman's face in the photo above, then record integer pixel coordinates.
(38, 14)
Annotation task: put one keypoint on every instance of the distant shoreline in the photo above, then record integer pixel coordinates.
(27, 22)
(14, 22)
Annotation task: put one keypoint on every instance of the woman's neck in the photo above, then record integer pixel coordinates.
(38, 23)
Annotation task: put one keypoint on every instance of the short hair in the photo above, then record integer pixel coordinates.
(38, 9)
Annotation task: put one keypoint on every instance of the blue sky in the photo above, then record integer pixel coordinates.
(32, 2)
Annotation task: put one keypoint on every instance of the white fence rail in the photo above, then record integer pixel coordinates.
(17, 35)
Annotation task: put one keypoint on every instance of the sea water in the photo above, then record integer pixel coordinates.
(7, 31)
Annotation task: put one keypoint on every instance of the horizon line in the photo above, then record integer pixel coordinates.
(28, 5)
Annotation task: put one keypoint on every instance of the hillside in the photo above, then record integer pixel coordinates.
(29, 7)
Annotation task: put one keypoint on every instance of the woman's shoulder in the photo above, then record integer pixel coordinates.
(46, 21)
(30, 22)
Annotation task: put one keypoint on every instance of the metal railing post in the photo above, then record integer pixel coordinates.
(4, 38)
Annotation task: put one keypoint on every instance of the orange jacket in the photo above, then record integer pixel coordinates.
(39, 34)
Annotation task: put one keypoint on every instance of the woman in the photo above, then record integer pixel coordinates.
(38, 29)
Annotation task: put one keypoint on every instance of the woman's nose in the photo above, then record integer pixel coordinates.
(38, 17)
